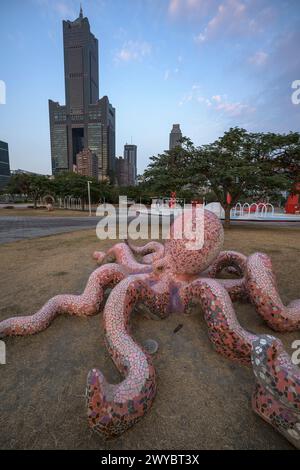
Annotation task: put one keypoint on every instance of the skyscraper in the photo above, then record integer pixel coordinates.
(130, 154)
(84, 122)
(175, 136)
(4, 164)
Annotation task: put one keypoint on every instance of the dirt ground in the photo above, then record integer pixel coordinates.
(203, 400)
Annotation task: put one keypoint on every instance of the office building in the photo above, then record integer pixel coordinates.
(175, 136)
(84, 122)
(130, 154)
(124, 172)
(87, 163)
(4, 164)
(126, 168)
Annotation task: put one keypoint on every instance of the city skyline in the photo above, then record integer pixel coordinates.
(160, 63)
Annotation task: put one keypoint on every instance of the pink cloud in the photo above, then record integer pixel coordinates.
(177, 8)
(235, 17)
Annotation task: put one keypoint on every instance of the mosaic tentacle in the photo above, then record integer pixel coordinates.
(86, 304)
(262, 290)
(123, 255)
(236, 288)
(112, 409)
(233, 261)
(150, 252)
(276, 397)
(227, 335)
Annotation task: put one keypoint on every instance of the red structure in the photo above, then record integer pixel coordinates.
(172, 202)
(292, 205)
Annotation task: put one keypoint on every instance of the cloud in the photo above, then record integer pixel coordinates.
(228, 13)
(234, 109)
(64, 8)
(177, 8)
(217, 98)
(258, 59)
(169, 73)
(174, 6)
(133, 50)
(234, 17)
(217, 103)
(192, 95)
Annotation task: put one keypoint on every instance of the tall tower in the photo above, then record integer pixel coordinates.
(81, 64)
(130, 154)
(82, 123)
(175, 136)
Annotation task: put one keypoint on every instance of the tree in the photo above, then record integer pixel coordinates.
(244, 164)
(237, 165)
(75, 185)
(33, 186)
(167, 172)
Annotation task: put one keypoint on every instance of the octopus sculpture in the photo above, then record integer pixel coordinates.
(168, 279)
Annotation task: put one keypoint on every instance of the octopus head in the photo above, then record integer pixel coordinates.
(196, 240)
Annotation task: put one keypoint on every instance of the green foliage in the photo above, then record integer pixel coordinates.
(32, 186)
(167, 171)
(242, 164)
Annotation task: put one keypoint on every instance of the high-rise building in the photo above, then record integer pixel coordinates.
(4, 164)
(87, 163)
(175, 136)
(123, 171)
(84, 122)
(108, 138)
(130, 154)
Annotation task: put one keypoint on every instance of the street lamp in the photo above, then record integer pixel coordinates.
(89, 196)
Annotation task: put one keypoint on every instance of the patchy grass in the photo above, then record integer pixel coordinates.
(203, 400)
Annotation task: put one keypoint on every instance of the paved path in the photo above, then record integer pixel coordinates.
(13, 228)
(19, 228)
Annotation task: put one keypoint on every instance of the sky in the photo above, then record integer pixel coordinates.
(206, 64)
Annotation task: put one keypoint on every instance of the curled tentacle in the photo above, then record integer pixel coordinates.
(263, 293)
(86, 304)
(227, 335)
(150, 252)
(233, 261)
(276, 397)
(114, 408)
(122, 254)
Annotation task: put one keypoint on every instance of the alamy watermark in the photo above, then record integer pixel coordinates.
(296, 353)
(146, 222)
(296, 94)
(2, 92)
(2, 353)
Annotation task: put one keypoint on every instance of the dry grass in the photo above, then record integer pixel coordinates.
(203, 400)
